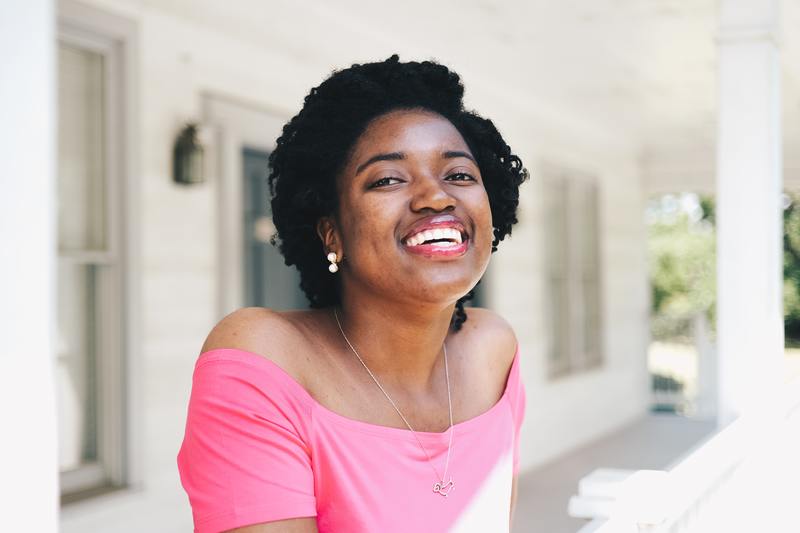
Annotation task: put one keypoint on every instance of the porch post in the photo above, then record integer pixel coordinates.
(28, 447)
(749, 219)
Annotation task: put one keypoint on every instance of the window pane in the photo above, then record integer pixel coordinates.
(77, 416)
(591, 338)
(590, 260)
(557, 317)
(556, 224)
(586, 212)
(81, 190)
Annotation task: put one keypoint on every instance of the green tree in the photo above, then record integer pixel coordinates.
(682, 255)
(682, 264)
(791, 267)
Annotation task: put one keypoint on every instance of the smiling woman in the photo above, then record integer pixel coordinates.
(383, 398)
(320, 140)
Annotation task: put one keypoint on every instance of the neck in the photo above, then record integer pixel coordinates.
(400, 343)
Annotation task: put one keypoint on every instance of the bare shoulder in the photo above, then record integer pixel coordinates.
(492, 333)
(489, 326)
(248, 328)
(271, 334)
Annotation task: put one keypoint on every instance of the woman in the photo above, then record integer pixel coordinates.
(387, 406)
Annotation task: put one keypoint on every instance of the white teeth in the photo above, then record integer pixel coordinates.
(439, 233)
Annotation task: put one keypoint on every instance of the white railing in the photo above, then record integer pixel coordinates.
(746, 477)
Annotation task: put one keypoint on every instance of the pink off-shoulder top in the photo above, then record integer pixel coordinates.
(258, 447)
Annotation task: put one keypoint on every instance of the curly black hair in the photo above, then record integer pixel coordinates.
(315, 146)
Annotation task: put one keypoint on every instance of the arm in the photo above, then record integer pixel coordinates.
(244, 461)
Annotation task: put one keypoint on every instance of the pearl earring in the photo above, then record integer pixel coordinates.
(333, 267)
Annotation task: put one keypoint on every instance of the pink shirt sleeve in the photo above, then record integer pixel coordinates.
(518, 399)
(245, 457)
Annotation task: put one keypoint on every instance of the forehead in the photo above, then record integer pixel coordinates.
(409, 131)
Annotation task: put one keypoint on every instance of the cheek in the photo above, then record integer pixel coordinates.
(483, 215)
(369, 223)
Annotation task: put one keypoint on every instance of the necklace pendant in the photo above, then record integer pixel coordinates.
(443, 488)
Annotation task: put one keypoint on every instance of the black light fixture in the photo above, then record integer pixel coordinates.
(187, 157)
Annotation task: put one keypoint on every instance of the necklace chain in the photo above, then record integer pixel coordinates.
(442, 485)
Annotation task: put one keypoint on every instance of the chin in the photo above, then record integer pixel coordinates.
(444, 292)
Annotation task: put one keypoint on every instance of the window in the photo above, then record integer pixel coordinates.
(90, 347)
(269, 282)
(572, 270)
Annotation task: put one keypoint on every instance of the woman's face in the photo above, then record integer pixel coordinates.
(412, 181)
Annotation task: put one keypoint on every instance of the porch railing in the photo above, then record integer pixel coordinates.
(743, 478)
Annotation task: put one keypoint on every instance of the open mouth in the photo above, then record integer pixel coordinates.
(439, 242)
(441, 236)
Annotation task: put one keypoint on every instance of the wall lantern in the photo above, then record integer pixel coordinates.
(187, 157)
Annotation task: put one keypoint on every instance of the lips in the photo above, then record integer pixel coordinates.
(436, 227)
(438, 237)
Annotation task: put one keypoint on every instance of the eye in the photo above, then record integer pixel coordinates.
(461, 176)
(383, 181)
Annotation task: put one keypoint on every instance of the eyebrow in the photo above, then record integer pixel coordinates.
(394, 156)
(457, 153)
(398, 156)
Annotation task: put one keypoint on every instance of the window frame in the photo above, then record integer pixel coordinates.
(114, 333)
(233, 125)
(570, 331)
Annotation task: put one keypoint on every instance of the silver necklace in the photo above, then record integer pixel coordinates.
(440, 487)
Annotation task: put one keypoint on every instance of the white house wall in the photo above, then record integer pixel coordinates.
(570, 411)
(179, 60)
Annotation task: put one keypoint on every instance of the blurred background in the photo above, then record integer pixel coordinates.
(653, 279)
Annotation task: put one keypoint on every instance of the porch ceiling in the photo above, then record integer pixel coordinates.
(643, 71)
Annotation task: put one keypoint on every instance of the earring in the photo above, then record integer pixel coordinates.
(333, 267)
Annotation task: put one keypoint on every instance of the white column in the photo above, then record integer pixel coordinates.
(749, 220)
(707, 368)
(28, 446)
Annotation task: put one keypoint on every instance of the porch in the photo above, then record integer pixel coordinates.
(655, 441)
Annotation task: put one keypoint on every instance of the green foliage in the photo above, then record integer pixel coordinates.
(661, 382)
(682, 264)
(791, 266)
(682, 257)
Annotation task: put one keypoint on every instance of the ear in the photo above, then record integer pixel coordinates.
(328, 234)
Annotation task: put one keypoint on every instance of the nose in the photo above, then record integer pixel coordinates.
(429, 193)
